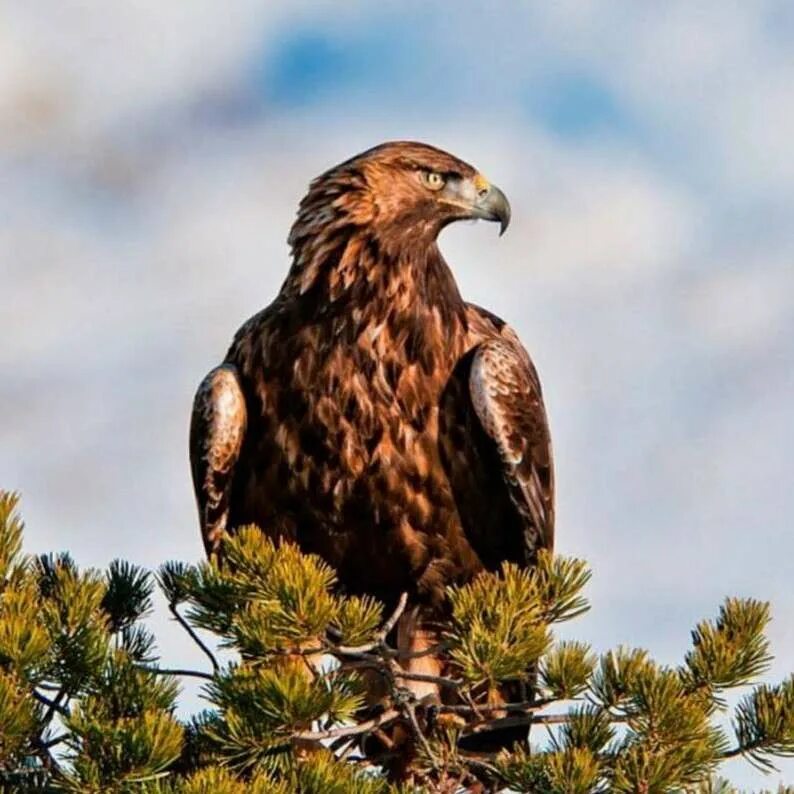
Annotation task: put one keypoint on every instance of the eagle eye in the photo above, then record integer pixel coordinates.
(433, 180)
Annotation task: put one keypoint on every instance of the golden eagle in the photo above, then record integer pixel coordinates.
(369, 413)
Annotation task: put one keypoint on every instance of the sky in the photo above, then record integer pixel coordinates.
(152, 156)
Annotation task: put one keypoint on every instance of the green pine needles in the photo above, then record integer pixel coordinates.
(317, 699)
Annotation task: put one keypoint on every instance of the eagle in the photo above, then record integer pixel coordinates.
(370, 414)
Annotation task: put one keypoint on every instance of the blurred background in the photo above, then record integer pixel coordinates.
(151, 159)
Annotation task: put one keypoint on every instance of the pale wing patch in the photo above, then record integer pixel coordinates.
(217, 431)
(507, 400)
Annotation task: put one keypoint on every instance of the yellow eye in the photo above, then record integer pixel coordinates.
(433, 180)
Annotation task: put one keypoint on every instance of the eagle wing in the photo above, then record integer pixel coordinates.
(506, 396)
(217, 430)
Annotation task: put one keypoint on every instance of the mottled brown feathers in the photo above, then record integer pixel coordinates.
(369, 413)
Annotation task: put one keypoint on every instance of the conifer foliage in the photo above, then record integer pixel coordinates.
(317, 699)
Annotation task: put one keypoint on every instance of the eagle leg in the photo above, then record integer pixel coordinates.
(414, 639)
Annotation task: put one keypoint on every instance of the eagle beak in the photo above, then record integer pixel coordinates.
(491, 204)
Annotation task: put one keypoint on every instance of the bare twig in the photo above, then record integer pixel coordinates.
(189, 629)
(522, 708)
(411, 712)
(351, 730)
(523, 719)
(750, 748)
(175, 672)
(479, 763)
(62, 737)
(431, 650)
(368, 650)
(551, 719)
(474, 708)
(51, 704)
(378, 652)
(359, 652)
(54, 706)
(390, 669)
(451, 683)
(379, 656)
(395, 616)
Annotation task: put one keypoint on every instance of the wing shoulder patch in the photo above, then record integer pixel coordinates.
(217, 431)
(507, 400)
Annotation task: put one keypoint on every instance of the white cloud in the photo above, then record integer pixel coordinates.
(88, 68)
(712, 77)
(743, 310)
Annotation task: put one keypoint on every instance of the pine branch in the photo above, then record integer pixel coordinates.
(176, 672)
(525, 719)
(380, 637)
(189, 629)
(523, 707)
(450, 683)
(352, 730)
(395, 616)
(277, 608)
(764, 724)
(355, 652)
(411, 712)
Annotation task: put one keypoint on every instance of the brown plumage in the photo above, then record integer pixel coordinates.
(369, 413)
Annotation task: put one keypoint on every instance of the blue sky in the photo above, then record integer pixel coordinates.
(316, 65)
(152, 156)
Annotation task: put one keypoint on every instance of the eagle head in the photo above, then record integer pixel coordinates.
(402, 191)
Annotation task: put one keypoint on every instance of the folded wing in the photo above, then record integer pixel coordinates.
(506, 396)
(217, 430)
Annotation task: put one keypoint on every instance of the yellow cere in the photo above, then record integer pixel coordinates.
(481, 183)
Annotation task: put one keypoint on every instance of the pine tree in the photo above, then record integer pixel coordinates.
(85, 705)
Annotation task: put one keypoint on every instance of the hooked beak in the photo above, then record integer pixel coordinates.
(491, 204)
